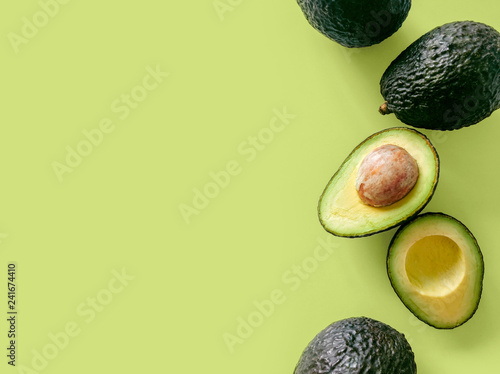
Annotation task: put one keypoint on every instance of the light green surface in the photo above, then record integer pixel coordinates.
(257, 70)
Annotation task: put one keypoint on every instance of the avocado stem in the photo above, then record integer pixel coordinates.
(384, 109)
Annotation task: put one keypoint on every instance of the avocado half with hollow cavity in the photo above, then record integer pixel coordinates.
(447, 79)
(347, 209)
(436, 268)
(357, 345)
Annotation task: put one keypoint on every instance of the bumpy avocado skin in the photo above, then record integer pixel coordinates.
(358, 345)
(447, 79)
(356, 23)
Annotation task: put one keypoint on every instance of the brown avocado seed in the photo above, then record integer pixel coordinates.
(386, 175)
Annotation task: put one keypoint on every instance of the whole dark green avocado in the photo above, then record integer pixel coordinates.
(447, 79)
(356, 23)
(357, 345)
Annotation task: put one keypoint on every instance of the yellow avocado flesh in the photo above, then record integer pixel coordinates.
(342, 212)
(436, 268)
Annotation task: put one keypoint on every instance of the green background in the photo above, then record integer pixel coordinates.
(190, 280)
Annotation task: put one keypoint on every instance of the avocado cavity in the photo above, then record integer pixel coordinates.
(435, 265)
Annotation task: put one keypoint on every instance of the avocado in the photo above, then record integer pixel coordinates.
(356, 23)
(447, 79)
(436, 268)
(358, 345)
(342, 210)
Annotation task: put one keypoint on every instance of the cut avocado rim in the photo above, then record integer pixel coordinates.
(411, 306)
(392, 225)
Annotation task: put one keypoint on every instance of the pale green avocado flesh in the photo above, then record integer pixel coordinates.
(341, 211)
(436, 268)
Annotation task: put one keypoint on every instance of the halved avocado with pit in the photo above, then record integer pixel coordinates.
(436, 267)
(341, 210)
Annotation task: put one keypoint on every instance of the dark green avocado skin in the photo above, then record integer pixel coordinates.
(356, 23)
(355, 346)
(447, 79)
